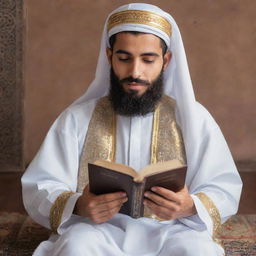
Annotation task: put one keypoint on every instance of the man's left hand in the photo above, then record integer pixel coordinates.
(168, 205)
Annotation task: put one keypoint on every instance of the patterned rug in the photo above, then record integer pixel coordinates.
(238, 235)
(19, 235)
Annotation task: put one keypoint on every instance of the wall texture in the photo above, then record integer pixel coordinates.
(62, 44)
(11, 87)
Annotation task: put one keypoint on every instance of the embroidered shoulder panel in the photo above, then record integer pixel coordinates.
(167, 141)
(100, 139)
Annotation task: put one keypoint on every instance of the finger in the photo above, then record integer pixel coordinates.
(108, 206)
(101, 199)
(166, 193)
(104, 216)
(110, 213)
(94, 204)
(159, 211)
(161, 201)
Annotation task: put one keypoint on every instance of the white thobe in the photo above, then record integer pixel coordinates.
(54, 170)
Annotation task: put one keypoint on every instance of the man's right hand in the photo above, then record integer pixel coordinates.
(99, 208)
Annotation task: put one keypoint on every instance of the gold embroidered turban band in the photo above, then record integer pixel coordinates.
(140, 17)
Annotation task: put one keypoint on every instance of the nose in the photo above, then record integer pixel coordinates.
(135, 69)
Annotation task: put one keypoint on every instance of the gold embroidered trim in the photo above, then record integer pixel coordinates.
(140, 17)
(113, 136)
(58, 208)
(100, 142)
(167, 141)
(154, 137)
(213, 212)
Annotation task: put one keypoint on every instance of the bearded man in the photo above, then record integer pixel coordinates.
(140, 109)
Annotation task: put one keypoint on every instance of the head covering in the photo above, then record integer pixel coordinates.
(176, 75)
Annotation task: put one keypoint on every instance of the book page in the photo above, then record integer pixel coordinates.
(158, 167)
(116, 167)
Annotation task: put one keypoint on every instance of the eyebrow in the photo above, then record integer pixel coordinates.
(143, 54)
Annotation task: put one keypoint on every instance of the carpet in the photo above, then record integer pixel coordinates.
(238, 235)
(19, 235)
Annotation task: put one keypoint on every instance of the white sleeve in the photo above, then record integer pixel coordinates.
(53, 172)
(215, 184)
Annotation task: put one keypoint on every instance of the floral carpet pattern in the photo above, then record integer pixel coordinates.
(19, 235)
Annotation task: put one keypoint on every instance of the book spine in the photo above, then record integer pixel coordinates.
(137, 208)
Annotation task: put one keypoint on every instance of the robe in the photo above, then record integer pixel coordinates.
(54, 171)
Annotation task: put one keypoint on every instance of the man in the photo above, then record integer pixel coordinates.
(149, 115)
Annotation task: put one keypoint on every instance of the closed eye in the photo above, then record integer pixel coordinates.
(149, 61)
(123, 59)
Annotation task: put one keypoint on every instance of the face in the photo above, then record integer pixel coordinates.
(137, 60)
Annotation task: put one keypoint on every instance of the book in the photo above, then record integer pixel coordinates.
(108, 177)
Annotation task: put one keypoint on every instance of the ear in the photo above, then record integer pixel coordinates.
(109, 53)
(167, 59)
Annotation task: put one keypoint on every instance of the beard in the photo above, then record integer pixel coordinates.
(131, 104)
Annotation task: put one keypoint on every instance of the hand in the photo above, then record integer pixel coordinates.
(99, 208)
(168, 205)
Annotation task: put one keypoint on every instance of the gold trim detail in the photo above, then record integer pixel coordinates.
(140, 17)
(112, 156)
(58, 208)
(167, 141)
(154, 136)
(213, 212)
(100, 142)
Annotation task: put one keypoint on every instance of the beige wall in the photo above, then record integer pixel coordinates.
(62, 44)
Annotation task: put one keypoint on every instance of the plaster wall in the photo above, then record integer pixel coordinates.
(62, 45)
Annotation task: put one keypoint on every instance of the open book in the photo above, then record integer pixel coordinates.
(108, 177)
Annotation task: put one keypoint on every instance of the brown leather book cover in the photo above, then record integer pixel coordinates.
(104, 180)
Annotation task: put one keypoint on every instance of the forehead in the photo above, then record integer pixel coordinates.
(137, 42)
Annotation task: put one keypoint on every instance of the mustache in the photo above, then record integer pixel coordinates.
(130, 79)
